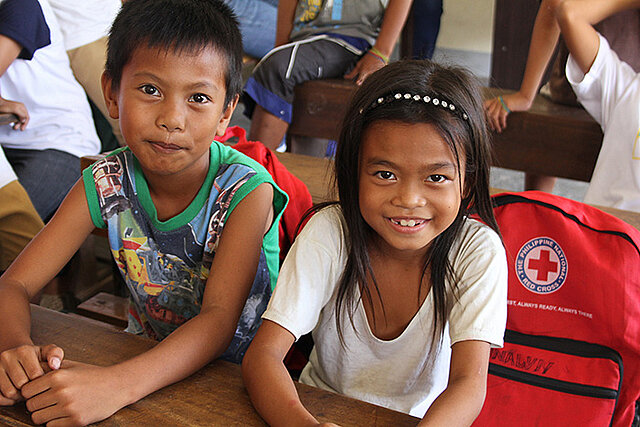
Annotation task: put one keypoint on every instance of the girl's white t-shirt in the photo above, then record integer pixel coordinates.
(399, 374)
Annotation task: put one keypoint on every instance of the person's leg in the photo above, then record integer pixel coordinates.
(273, 81)
(19, 222)
(534, 181)
(267, 128)
(87, 63)
(426, 26)
(47, 175)
(258, 21)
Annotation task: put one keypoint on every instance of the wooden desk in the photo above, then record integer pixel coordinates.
(215, 395)
(6, 118)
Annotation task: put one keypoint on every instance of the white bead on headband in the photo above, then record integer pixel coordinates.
(433, 100)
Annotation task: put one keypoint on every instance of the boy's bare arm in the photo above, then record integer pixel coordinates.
(286, 13)
(576, 20)
(38, 263)
(84, 393)
(394, 19)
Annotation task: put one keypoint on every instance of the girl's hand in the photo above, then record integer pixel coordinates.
(17, 108)
(20, 365)
(497, 112)
(77, 394)
(368, 64)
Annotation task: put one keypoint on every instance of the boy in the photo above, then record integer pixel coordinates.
(172, 78)
(609, 90)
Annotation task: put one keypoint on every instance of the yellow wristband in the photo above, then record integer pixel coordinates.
(379, 54)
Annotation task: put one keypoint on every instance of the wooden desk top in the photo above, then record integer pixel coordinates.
(215, 395)
(6, 118)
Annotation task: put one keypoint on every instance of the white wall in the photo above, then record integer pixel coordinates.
(467, 25)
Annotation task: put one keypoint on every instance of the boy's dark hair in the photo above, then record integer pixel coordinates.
(181, 25)
(468, 139)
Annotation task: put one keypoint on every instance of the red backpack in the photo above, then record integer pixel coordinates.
(572, 347)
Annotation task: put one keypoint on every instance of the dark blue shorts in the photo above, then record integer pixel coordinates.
(274, 78)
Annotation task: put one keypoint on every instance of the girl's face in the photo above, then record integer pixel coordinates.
(409, 185)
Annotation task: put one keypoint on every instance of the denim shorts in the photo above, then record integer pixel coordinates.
(47, 175)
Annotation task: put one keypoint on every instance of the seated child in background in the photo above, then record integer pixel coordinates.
(192, 224)
(46, 152)
(318, 40)
(404, 293)
(609, 90)
(19, 221)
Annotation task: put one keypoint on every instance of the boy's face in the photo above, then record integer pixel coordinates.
(170, 106)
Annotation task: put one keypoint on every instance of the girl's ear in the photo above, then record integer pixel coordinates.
(226, 116)
(110, 96)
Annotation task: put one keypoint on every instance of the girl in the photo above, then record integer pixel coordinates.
(404, 293)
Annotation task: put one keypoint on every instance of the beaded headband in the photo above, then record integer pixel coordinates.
(427, 99)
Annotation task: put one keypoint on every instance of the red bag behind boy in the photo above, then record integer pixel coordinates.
(299, 196)
(572, 346)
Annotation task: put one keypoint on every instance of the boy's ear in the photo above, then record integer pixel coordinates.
(110, 96)
(226, 116)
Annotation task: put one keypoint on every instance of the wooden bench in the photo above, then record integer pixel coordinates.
(550, 139)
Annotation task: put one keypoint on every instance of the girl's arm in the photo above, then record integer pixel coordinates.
(394, 18)
(543, 41)
(84, 394)
(9, 51)
(461, 402)
(576, 20)
(268, 382)
(286, 13)
(38, 263)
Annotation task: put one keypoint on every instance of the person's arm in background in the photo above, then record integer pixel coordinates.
(9, 51)
(286, 12)
(543, 42)
(394, 18)
(576, 20)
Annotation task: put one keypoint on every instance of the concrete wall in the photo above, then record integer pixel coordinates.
(466, 35)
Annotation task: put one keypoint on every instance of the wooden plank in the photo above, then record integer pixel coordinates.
(549, 139)
(215, 395)
(319, 106)
(107, 308)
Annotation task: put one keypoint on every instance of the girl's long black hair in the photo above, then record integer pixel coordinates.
(469, 141)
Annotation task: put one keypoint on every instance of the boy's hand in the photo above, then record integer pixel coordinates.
(497, 110)
(368, 64)
(77, 394)
(20, 365)
(17, 108)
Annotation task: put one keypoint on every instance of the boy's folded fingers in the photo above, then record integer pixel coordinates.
(9, 394)
(40, 401)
